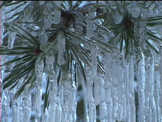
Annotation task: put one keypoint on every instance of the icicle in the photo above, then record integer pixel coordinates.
(110, 105)
(39, 65)
(121, 91)
(102, 104)
(48, 14)
(50, 65)
(118, 18)
(107, 87)
(127, 93)
(43, 36)
(107, 71)
(90, 24)
(61, 48)
(115, 102)
(69, 99)
(131, 90)
(79, 24)
(16, 109)
(26, 15)
(3, 20)
(57, 16)
(101, 88)
(89, 96)
(5, 106)
(92, 112)
(124, 107)
(96, 91)
(58, 3)
(26, 104)
(134, 10)
(141, 89)
(144, 13)
(52, 97)
(143, 27)
(37, 103)
(49, 48)
(66, 98)
(157, 92)
(121, 103)
(160, 7)
(91, 115)
(16, 104)
(45, 116)
(161, 77)
(103, 112)
(95, 79)
(149, 90)
(41, 2)
(58, 111)
(11, 39)
(74, 88)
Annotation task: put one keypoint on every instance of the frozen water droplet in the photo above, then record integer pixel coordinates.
(144, 13)
(11, 39)
(90, 23)
(118, 18)
(135, 11)
(41, 2)
(57, 16)
(61, 48)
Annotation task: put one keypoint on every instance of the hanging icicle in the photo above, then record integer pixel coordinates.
(79, 24)
(161, 78)
(26, 104)
(39, 67)
(143, 27)
(57, 16)
(131, 90)
(5, 106)
(141, 89)
(90, 23)
(108, 96)
(52, 97)
(11, 38)
(61, 48)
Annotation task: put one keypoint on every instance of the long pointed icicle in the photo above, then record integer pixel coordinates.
(79, 24)
(126, 84)
(121, 89)
(5, 106)
(103, 112)
(39, 65)
(131, 90)
(108, 85)
(16, 107)
(153, 106)
(11, 39)
(90, 23)
(94, 74)
(52, 97)
(58, 116)
(74, 87)
(161, 77)
(26, 104)
(61, 48)
(141, 89)
(107, 71)
(57, 16)
(157, 92)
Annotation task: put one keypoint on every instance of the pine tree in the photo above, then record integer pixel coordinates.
(53, 50)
